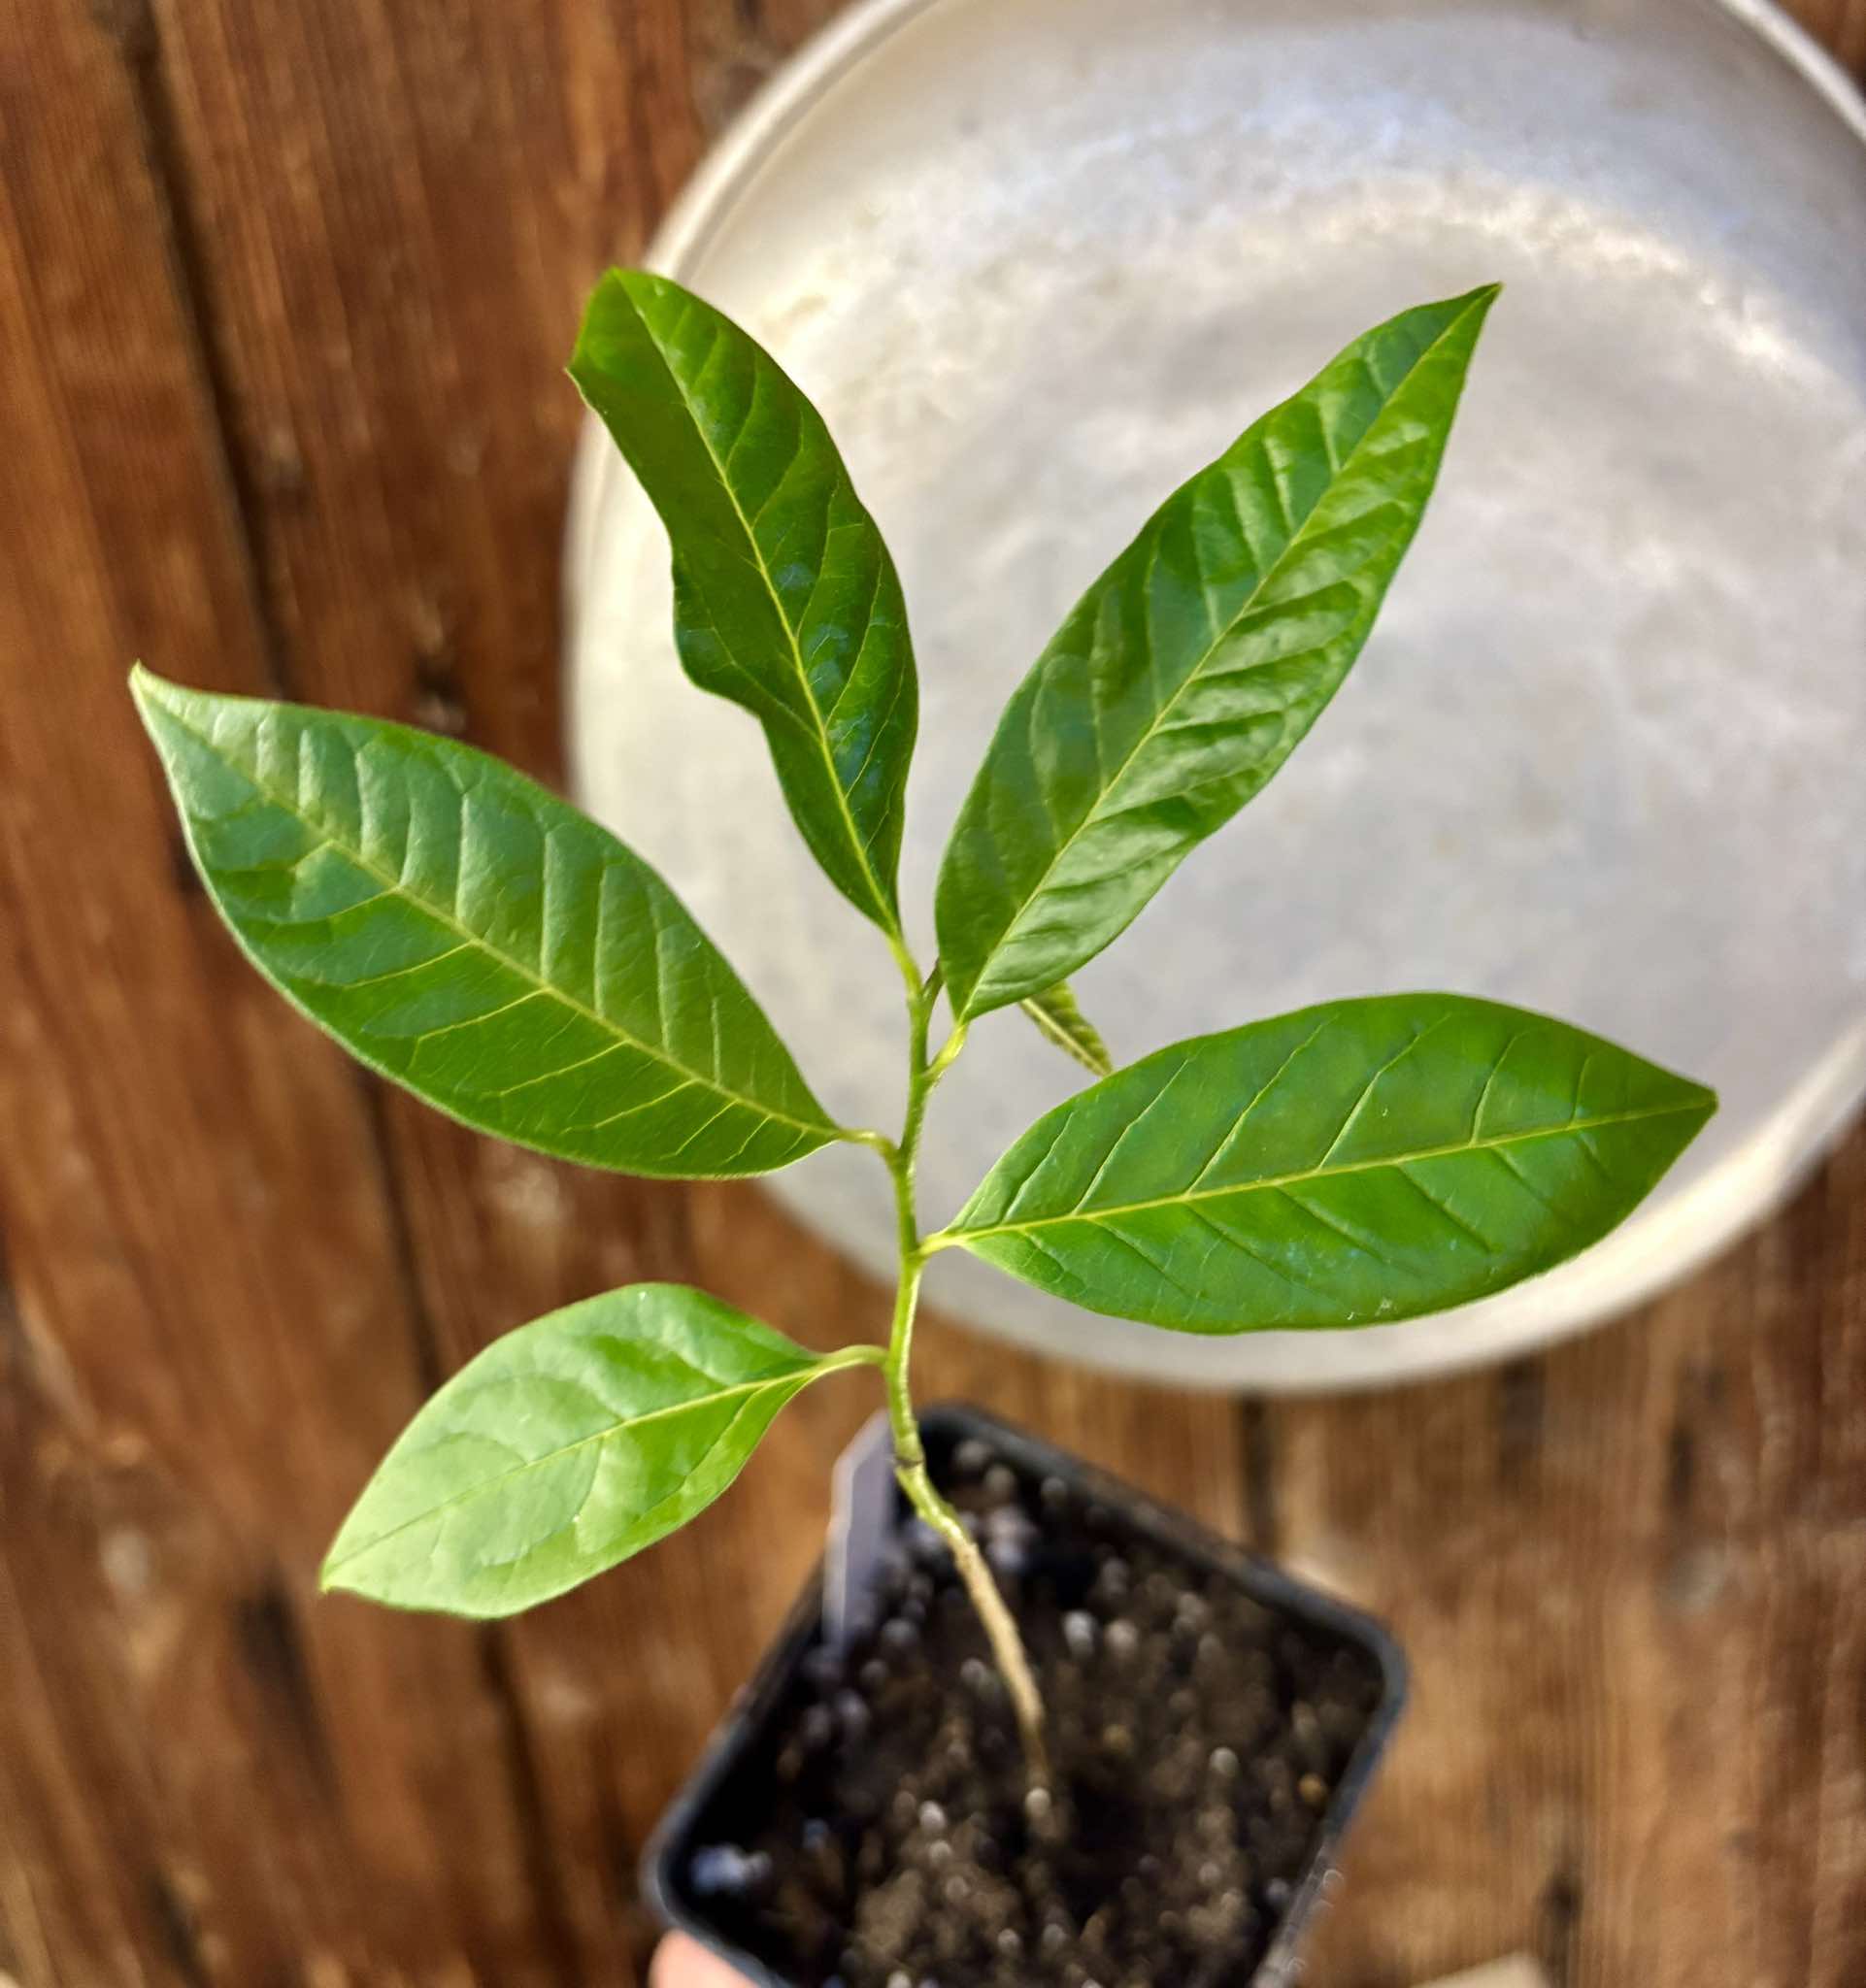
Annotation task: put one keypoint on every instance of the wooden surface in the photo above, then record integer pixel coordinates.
(284, 290)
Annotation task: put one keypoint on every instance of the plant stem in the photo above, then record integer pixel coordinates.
(910, 1456)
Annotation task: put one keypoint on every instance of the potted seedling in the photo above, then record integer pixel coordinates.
(1054, 1736)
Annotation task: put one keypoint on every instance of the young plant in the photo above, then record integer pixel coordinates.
(466, 934)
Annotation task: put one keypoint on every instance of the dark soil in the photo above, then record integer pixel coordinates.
(882, 1836)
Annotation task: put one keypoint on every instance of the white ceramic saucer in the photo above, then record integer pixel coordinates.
(1606, 755)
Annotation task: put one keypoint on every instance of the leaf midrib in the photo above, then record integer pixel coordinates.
(744, 1389)
(395, 886)
(818, 730)
(954, 1234)
(1010, 932)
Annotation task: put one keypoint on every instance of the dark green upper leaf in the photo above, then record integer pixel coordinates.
(464, 932)
(566, 1446)
(1059, 1015)
(785, 600)
(1348, 1165)
(1189, 671)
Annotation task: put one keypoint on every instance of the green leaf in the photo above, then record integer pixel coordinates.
(1188, 673)
(785, 600)
(568, 1445)
(1348, 1165)
(466, 934)
(1058, 1016)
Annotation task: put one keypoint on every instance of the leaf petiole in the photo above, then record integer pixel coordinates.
(868, 1136)
(947, 1056)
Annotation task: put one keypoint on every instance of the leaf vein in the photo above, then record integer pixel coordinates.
(1183, 1197)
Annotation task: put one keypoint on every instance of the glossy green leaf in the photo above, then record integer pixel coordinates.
(1059, 1015)
(1188, 672)
(1348, 1165)
(786, 599)
(464, 932)
(568, 1445)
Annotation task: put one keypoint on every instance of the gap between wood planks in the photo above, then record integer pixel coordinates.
(133, 27)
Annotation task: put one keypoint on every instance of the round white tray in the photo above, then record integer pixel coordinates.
(1606, 755)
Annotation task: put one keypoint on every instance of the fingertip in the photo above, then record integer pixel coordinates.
(682, 1962)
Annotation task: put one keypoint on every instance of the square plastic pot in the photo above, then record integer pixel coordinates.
(698, 1813)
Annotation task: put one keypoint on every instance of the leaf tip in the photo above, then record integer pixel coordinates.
(330, 1578)
(586, 355)
(144, 686)
(157, 702)
(352, 1570)
(1692, 1099)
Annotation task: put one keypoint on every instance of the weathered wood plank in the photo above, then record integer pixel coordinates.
(1632, 1580)
(205, 1777)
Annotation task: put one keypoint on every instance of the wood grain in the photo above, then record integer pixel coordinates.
(1639, 1634)
(205, 1777)
(285, 292)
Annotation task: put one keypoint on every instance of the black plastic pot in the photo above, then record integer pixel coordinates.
(704, 1809)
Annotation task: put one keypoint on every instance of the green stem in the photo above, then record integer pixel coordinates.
(909, 1457)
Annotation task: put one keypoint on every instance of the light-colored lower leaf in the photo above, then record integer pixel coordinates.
(1351, 1164)
(567, 1446)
